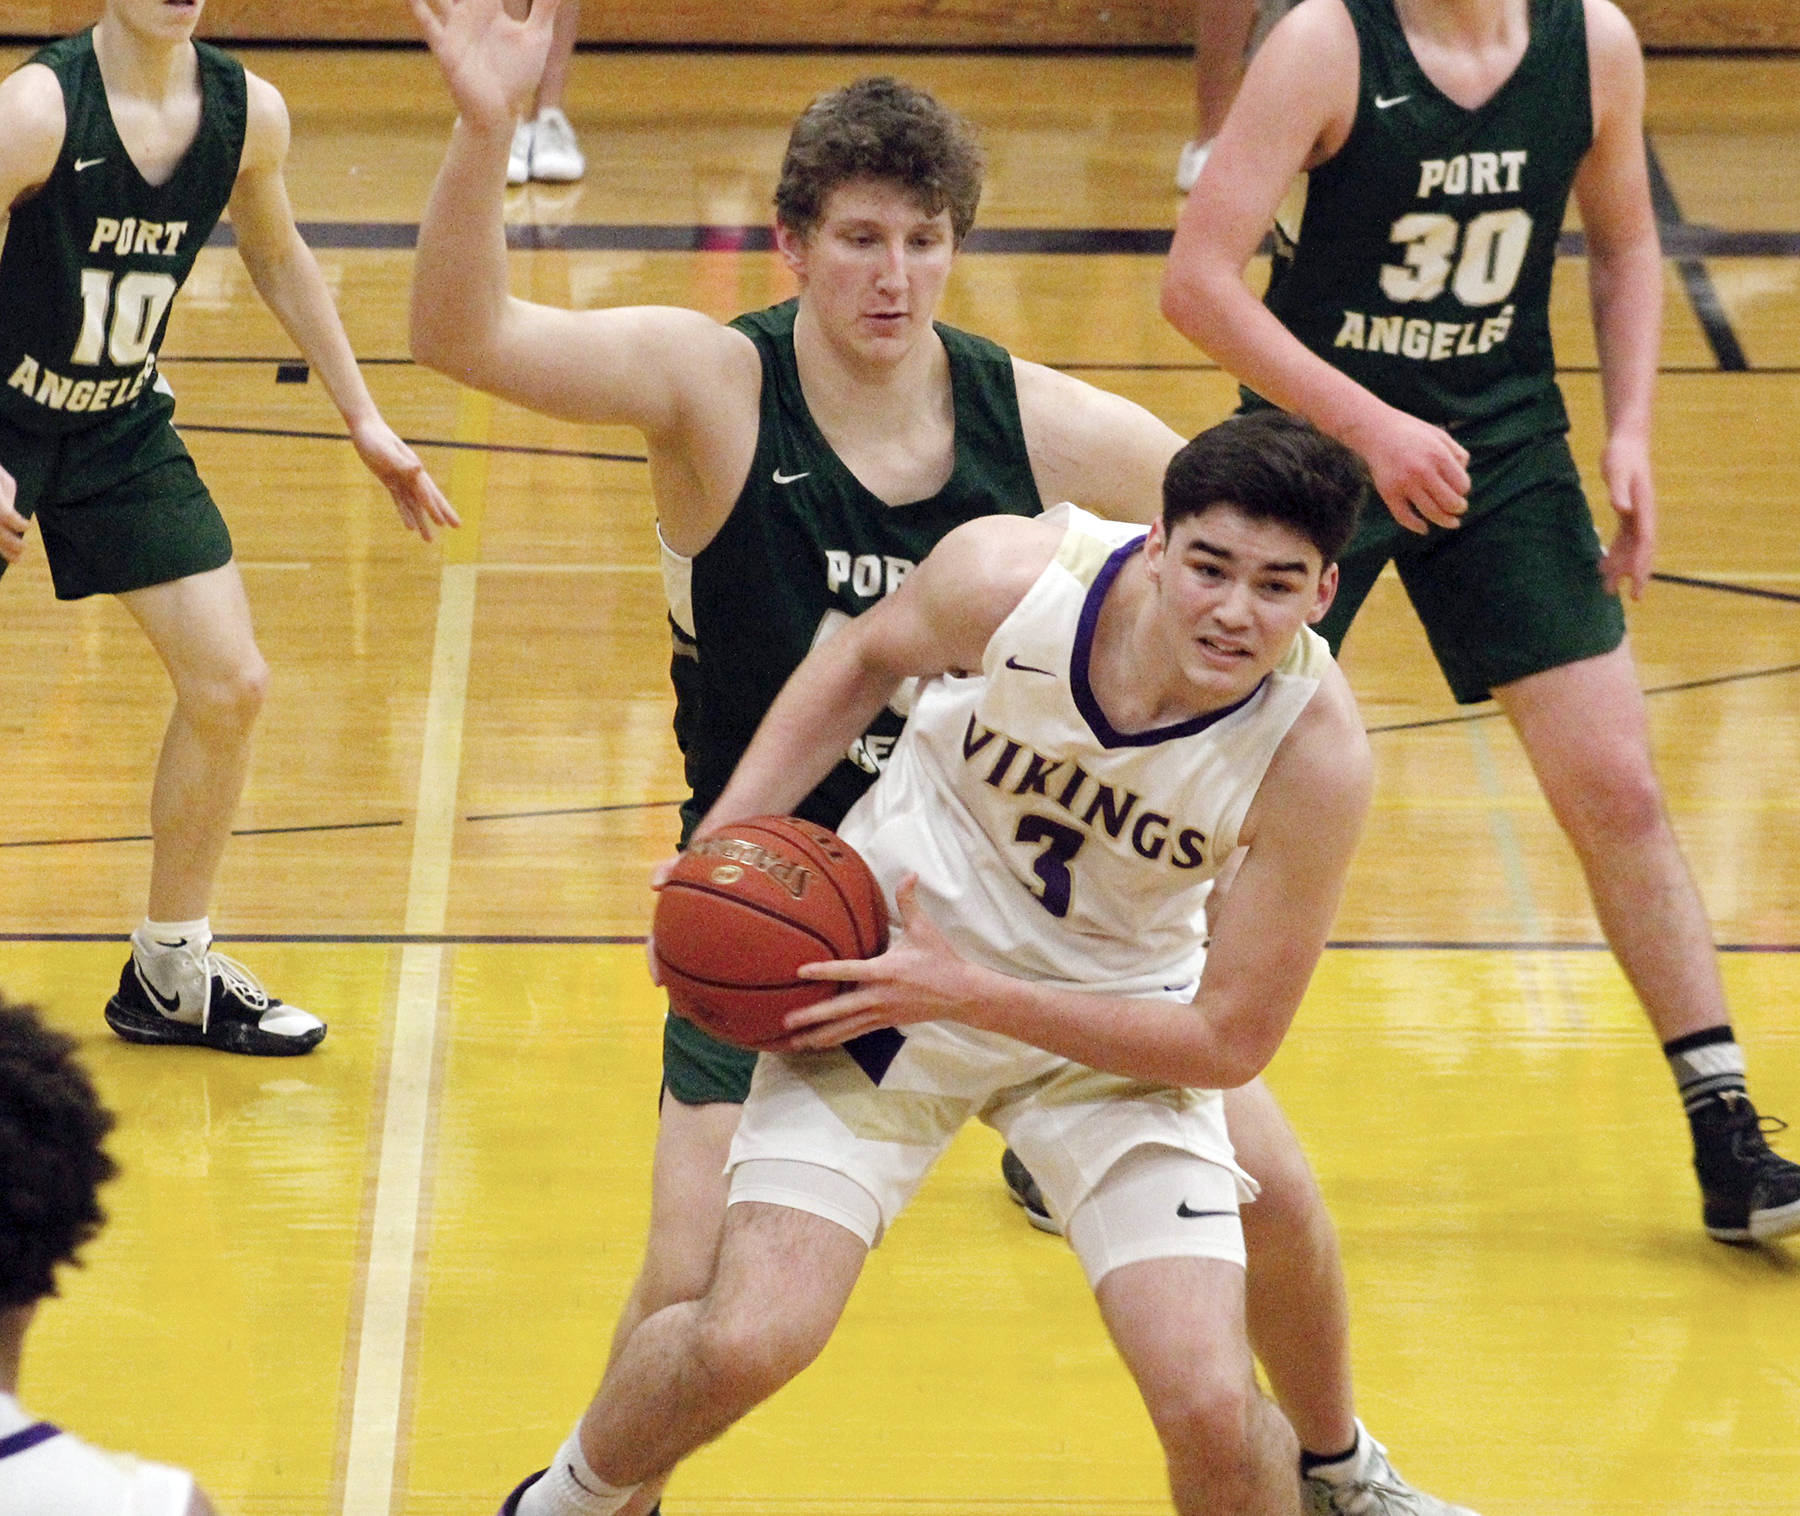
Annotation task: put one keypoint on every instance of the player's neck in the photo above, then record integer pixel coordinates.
(1475, 24)
(13, 1322)
(1129, 669)
(142, 68)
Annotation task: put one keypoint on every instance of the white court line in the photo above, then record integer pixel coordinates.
(378, 1401)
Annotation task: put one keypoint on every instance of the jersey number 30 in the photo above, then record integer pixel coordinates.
(137, 308)
(1493, 251)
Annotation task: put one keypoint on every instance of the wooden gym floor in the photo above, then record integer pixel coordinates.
(380, 1280)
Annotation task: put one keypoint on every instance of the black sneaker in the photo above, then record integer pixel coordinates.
(1025, 1192)
(222, 1007)
(1751, 1194)
(510, 1506)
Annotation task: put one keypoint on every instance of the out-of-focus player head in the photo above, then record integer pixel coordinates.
(52, 1164)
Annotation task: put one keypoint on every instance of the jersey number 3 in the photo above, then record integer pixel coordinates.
(1060, 845)
(137, 307)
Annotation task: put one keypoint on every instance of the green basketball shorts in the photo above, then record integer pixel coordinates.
(119, 505)
(698, 1069)
(1513, 591)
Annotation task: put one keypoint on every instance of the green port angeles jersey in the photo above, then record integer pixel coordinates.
(94, 257)
(1420, 264)
(807, 546)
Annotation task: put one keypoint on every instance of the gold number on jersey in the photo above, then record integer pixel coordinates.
(1493, 252)
(137, 308)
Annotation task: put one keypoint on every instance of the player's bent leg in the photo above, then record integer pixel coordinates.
(690, 1370)
(1296, 1307)
(1178, 1324)
(1585, 730)
(175, 989)
(688, 1187)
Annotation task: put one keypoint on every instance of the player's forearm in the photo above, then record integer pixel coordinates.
(823, 708)
(293, 287)
(1160, 1041)
(459, 289)
(1210, 305)
(1625, 291)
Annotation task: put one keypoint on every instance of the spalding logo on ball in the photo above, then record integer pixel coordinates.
(745, 907)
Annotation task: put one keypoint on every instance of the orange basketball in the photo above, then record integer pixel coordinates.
(745, 907)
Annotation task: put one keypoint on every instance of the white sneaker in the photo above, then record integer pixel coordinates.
(555, 155)
(1368, 1485)
(518, 160)
(1188, 165)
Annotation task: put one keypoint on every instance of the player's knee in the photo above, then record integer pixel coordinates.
(224, 703)
(749, 1350)
(1203, 1421)
(1617, 803)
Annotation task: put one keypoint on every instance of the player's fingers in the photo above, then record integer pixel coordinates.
(845, 970)
(425, 12)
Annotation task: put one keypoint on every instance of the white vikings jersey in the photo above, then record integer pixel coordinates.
(46, 1472)
(1049, 845)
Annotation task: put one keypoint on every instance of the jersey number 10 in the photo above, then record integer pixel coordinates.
(137, 306)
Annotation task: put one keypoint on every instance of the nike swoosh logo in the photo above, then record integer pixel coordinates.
(1183, 1211)
(81, 163)
(578, 1479)
(167, 1004)
(781, 478)
(1390, 102)
(1026, 668)
(178, 942)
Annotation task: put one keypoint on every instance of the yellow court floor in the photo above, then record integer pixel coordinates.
(380, 1280)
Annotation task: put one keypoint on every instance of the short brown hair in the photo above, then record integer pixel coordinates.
(880, 128)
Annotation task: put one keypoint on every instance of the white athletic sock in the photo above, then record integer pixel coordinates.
(570, 1488)
(155, 937)
(1345, 1470)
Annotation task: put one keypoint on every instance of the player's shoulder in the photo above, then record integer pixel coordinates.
(266, 125)
(31, 103)
(1611, 38)
(1329, 745)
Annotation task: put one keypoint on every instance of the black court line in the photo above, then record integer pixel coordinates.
(467, 447)
(512, 939)
(1494, 713)
(1681, 239)
(577, 810)
(1786, 596)
(1702, 293)
(254, 831)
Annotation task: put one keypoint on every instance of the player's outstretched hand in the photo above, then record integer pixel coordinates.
(1420, 471)
(12, 524)
(491, 62)
(920, 978)
(1625, 466)
(416, 496)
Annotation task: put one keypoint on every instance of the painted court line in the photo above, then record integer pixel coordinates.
(380, 1398)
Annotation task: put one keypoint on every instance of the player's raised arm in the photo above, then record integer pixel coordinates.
(1088, 445)
(1612, 188)
(1296, 108)
(31, 135)
(653, 367)
(287, 276)
(940, 618)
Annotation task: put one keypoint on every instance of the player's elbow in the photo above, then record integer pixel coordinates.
(1186, 300)
(449, 339)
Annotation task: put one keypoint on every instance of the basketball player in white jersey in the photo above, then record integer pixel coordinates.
(1106, 716)
(51, 1128)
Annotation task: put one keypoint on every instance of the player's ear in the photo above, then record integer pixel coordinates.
(1156, 543)
(792, 247)
(1327, 592)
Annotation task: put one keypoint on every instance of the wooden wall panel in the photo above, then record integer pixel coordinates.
(883, 23)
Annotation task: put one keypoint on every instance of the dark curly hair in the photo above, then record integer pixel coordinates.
(1273, 467)
(880, 128)
(51, 1161)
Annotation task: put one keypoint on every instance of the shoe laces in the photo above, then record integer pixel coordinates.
(1750, 1131)
(1379, 1492)
(238, 980)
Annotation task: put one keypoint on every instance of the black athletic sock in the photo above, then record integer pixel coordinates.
(1311, 1461)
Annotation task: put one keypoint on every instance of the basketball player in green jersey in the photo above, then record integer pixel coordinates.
(119, 149)
(1408, 316)
(802, 460)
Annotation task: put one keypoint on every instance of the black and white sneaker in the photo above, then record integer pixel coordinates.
(1025, 1193)
(1750, 1193)
(205, 999)
(510, 1506)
